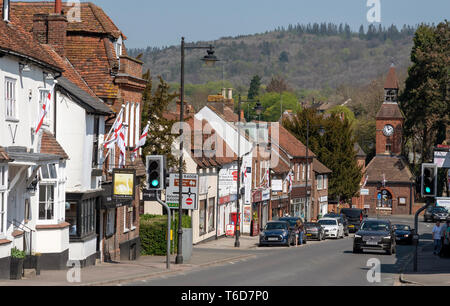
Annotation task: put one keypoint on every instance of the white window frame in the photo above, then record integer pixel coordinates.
(325, 182)
(43, 93)
(320, 183)
(112, 159)
(125, 213)
(303, 171)
(137, 123)
(298, 172)
(131, 128)
(11, 110)
(54, 182)
(3, 197)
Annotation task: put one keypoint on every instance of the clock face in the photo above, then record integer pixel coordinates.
(388, 130)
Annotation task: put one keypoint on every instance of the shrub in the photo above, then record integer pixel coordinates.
(153, 234)
(16, 253)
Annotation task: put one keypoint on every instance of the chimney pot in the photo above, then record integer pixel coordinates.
(58, 7)
(6, 10)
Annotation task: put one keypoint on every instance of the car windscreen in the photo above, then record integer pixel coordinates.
(292, 222)
(375, 226)
(276, 226)
(312, 224)
(327, 222)
(401, 227)
(440, 210)
(351, 213)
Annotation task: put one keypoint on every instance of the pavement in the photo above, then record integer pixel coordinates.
(147, 267)
(432, 270)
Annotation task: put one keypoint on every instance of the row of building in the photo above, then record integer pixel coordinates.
(55, 183)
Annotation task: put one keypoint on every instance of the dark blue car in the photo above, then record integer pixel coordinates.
(277, 233)
(404, 234)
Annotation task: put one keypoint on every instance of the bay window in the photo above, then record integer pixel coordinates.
(51, 194)
(46, 202)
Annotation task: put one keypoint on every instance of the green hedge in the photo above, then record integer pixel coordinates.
(153, 234)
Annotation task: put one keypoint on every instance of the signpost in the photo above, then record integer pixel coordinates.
(190, 191)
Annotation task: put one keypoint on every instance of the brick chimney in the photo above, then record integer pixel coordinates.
(51, 29)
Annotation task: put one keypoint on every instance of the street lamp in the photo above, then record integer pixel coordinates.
(259, 110)
(209, 60)
(321, 133)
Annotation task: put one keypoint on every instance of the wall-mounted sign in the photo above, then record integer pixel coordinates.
(364, 192)
(124, 184)
(277, 185)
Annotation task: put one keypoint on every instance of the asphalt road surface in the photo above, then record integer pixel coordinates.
(328, 263)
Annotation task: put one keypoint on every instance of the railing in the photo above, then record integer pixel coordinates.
(27, 231)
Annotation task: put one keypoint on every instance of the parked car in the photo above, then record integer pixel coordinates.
(434, 214)
(333, 228)
(292, 224)
(404, 233)
(375, 235)
(355, 217)
(342, 219)
(277, 233)
(315, 231)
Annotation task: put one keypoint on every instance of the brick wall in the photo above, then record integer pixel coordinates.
(395, 140)
(397, 192)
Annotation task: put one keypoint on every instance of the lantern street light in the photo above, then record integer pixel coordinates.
(210, 59)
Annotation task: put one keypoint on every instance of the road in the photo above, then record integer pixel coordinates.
(328, 263)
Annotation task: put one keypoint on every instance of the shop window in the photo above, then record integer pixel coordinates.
(71, 218)
(202, 217)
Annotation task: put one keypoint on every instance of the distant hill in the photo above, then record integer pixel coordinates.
(313, 56)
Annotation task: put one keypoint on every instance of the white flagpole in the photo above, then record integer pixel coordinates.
(109, 134)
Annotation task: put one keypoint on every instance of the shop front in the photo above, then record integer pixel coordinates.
(227, 205)
(279, 206)
(260, 207)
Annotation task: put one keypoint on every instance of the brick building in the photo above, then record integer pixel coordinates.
(95, 48)
(390, 182)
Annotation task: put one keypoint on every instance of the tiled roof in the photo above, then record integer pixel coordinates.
(290, 143)
(320, 168)
(49, 145)
(91, 104)
(93, 18)
(359, 151)
(16, 41)
(88, 44)
(228, 114)
(390, 111)
(217, 156)
(392, 80)
(3, 155)
(89, 56)
(395, 169)
(282, 166)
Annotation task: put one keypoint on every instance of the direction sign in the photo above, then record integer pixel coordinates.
(190, 191)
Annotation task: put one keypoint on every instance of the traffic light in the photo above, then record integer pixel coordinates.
(156, 172)
(429, 180)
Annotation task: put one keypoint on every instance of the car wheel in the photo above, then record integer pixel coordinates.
(389, 251)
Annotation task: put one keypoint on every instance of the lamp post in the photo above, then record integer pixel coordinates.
(210, 59)
(321, 132)
(258, 109)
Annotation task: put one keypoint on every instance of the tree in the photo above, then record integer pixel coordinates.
(335, 149)
(425, 100)
(274, 103)
(255, 85)
(284, 57)
(278, 84)
(155, 104)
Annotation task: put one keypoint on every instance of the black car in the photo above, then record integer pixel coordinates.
(375, 235)
(404, 233)
(342, 219)
(434, 214)
(314, 231)
(355, 217)
(277, 233)
(292, 224)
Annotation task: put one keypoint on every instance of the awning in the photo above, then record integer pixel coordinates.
(21, 156)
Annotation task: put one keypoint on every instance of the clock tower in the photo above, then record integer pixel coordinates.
(390, 119)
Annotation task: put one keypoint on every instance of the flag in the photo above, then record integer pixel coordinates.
(290, 181)
(141, 141)
(115, 130)
(44, 110)
(122, 146)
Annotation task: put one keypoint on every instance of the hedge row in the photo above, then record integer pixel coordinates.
(153, 234)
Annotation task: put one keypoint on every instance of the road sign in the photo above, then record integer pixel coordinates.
(189, 195)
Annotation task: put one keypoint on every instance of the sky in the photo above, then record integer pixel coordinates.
(159, 23)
